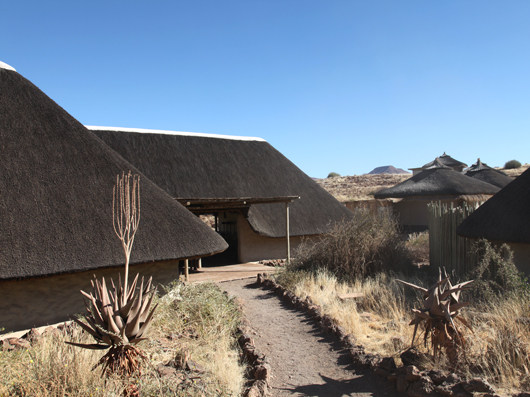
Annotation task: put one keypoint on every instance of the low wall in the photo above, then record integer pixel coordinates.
(40, 301)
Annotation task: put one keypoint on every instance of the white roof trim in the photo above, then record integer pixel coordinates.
(180, 133)
(4, 65)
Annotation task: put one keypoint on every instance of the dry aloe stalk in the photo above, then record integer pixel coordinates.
(119, 318)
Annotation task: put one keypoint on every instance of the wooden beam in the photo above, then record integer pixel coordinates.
(287, 237)
(186, 270)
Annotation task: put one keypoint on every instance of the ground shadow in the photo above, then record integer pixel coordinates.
(348, 387)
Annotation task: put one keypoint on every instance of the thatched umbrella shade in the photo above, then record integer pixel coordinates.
(56, 195)
(202, 166)
(485, 173)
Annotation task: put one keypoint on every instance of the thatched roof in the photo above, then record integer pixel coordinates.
(485, 173)
(437, 182)
(56, 184)
(505, 216)
(445, 160)
(202, 166)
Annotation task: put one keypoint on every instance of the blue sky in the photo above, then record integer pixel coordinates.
(341, 86)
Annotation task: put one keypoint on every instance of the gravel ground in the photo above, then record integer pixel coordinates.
(304, 361)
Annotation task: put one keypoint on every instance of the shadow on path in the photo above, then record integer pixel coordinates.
(338, 388)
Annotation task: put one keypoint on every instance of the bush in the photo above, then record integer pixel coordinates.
(365, 245)
(512, 164)
(495, 274)
(418, 246)
(333, 174)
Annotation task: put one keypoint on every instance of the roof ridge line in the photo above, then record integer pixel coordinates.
(179, 133)
(4, 65)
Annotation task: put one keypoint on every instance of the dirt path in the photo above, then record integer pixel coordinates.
(304, 361)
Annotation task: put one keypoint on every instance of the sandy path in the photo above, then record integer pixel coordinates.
(304, 361)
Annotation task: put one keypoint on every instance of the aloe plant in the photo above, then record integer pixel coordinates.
(118, 321)
(439, 315)
(119, 318)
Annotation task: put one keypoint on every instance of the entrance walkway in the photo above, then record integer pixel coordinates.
(304, 361)
(218, 274)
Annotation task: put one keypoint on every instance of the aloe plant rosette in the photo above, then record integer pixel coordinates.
(118, 321)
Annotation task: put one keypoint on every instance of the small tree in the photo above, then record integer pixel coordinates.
(333, 174)
(512, 164)
(120, 318)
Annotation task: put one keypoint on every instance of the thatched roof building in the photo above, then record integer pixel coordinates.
(435, 184)
(485, 173)
(194, 167)
(505, 218)
(56, 196)
(443, 161)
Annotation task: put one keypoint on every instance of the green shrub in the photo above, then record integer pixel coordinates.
(512, 164)
(495, 274)
(365, 245)
(333, 174)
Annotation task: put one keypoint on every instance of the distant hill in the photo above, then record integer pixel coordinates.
(387, 169)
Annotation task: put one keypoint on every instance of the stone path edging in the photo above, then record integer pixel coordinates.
(408, 378)
(258, 372)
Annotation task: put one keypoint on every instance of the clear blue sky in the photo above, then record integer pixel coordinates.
(342, 86)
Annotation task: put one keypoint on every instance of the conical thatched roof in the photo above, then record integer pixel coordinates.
(56, 195)
(437, 182)
(505, 216)
(444, 160)
(189, 165)
(482, 171)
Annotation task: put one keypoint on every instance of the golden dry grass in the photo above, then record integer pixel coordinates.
(378, 321)
(200, 320)
(359, 187)
(499, 345)
(515, 172)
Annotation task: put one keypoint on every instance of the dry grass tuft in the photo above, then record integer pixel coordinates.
(418, 247)
(378, 321)
(500, 344)
(498, 348)
(198, 320)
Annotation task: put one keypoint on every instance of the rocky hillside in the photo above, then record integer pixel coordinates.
(388, 169)
(359, 187)
(362, 187)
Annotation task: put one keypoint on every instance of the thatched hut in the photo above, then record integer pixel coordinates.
(443, 161)
(485, 173)
(505, 218)
(56, 212)
(243, 181)
(435, 184)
